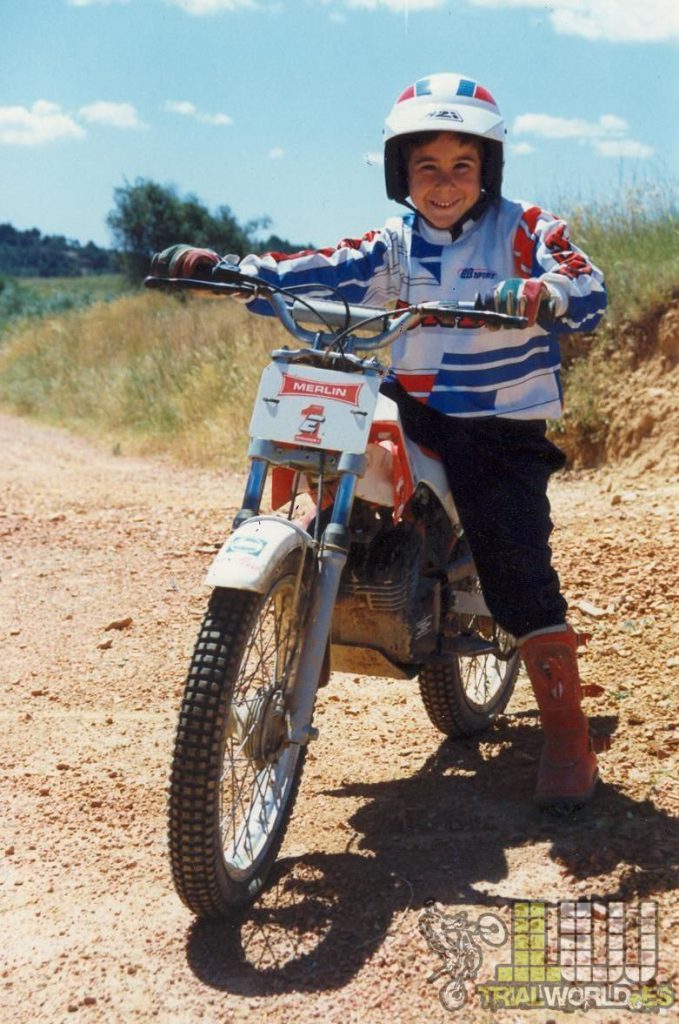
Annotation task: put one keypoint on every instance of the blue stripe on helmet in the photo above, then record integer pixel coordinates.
(466, 87)
(423, 87)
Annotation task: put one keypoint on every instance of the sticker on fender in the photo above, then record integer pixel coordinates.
(315, 408)
(246, 545)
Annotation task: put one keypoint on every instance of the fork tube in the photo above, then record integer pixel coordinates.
(344, 500)
(332, 559)
(254, 490)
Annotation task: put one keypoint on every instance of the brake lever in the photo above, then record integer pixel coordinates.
(195, 284)
(453, 314)
(227, 273)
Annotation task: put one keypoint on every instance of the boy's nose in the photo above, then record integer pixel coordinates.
(445, 178)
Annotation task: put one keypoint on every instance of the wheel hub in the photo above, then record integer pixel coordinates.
(261, 726)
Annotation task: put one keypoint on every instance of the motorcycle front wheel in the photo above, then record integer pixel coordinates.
(234, 776)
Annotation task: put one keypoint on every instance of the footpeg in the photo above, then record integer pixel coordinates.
(469, 645)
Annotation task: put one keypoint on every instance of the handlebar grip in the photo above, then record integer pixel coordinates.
(466, 314)
(547, 313)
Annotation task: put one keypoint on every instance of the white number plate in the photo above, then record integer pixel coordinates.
(315, 408)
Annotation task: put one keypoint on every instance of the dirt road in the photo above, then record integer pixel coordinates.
(388, 815)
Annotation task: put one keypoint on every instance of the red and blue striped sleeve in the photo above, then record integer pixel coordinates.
(364, 270)
(543, 249)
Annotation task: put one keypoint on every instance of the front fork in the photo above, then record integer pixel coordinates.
(331, 558)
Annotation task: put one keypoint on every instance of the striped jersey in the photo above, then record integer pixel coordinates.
(460, 371)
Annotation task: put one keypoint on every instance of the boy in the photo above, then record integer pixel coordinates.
(478, 397)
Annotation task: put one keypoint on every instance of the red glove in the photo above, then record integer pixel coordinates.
(521, 297)
(184, 261)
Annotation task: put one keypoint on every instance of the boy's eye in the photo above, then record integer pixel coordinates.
(461, 166)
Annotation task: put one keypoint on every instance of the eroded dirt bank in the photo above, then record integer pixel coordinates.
(388, 815)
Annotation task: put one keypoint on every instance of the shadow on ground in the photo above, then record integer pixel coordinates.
(433, 836)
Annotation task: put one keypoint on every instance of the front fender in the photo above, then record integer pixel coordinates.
(248, 559)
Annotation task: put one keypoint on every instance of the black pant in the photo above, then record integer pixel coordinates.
(498, 470)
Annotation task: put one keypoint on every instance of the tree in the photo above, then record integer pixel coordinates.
(31, 254)
(148, 217)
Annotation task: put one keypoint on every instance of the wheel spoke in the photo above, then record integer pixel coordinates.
(464, 695)
(232, 728)
(255, 781)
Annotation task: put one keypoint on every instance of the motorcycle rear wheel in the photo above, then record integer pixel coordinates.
(234, 777)
(464, 695)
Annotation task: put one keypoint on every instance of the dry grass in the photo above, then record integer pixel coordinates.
(155, 373)
(147, 373)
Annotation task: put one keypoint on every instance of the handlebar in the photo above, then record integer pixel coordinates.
(341, 320)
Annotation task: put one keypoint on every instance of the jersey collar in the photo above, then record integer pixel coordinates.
(444, 236)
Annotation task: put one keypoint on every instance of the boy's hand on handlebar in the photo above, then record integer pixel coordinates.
(522, 297)
(185, 261)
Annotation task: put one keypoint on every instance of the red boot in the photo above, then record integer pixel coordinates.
(567, 774)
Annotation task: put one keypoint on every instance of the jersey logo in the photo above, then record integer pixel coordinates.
(476, 274)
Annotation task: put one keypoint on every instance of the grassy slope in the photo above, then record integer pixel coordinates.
(152, 373)
(636, 242)
(147, 372)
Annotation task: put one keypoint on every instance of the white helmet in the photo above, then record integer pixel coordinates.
(444, 103)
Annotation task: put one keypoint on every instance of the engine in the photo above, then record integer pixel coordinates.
(389, 600)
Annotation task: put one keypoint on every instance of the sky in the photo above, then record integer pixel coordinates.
(276, 107)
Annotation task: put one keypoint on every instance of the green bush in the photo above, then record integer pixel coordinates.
(30, 298)
(634, 238)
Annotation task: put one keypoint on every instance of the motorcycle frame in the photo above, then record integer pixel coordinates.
(331, 550)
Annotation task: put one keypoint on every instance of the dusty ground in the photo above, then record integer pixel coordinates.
(388, 815)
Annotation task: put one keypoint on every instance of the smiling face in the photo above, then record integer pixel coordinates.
(444, 177)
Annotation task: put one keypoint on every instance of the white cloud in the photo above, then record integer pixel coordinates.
(188, 109)
(276, 153)
(218, 119)
(607, 136)
(181, 107)
(623, 147)
(200, 7)
(117, 115)
(611, 20)
(398, 6)
(374, 159)
(337, 18)
(91, 3)
(34, 126)
(548, 127)
(522, 148)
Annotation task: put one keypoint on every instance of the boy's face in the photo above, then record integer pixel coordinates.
(444, 177)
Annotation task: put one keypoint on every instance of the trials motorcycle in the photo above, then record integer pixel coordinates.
(376, 579)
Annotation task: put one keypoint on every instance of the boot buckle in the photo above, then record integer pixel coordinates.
(600, 742)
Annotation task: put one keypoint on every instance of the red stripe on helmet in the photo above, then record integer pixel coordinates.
(482, 94)
(407, 94)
